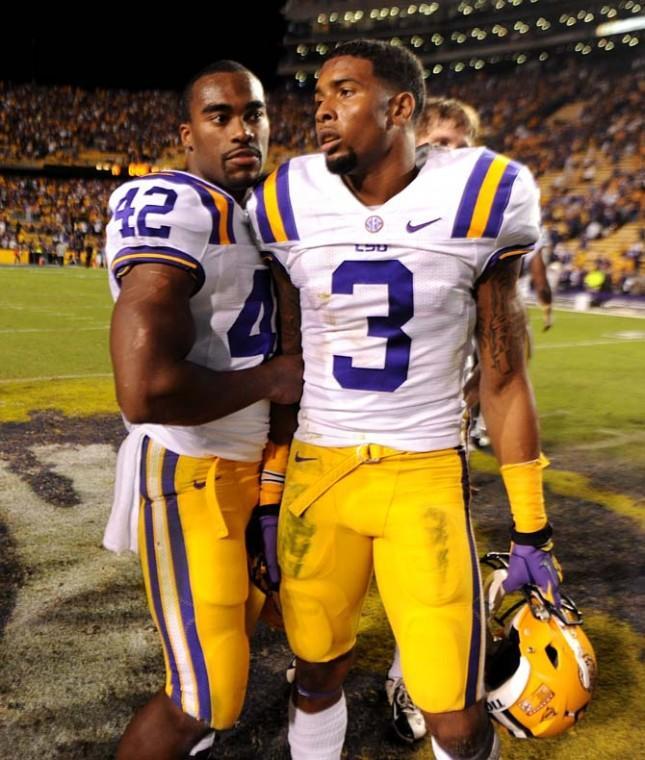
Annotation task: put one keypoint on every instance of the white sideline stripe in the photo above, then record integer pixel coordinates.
(42, 378)
(53, 329)
(617, 313)
(583, 343)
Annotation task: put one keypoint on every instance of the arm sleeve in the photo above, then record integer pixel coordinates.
(520, 229)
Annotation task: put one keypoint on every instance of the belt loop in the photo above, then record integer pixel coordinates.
(369, 453)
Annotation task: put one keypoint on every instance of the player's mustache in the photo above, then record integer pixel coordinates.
(243, 149)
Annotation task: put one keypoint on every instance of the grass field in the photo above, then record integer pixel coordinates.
(78, 651)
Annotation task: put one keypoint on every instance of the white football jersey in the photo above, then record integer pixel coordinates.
(183, 221)
(387, 293)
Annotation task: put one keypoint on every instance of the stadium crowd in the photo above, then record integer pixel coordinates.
(576, 126)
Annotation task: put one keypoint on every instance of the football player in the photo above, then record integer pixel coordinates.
(384, 259)
(191, 340)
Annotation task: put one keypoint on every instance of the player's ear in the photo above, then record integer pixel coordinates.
(401, 107)
(186, 135)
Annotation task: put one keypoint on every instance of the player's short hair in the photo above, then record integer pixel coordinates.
(394, 65)
(450, 109)
(224, 66)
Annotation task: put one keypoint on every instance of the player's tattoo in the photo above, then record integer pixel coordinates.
(288, 312)
(502, 334)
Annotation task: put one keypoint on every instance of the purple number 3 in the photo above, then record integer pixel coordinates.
(398, 279)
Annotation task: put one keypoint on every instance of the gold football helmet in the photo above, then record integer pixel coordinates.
(540, 667)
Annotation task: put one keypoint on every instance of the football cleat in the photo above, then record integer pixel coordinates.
(407, 720)
(290, 672)
(541, 668)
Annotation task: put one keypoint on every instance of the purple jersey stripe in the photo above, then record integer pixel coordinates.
(155, 593)
(500, 202)
(476, 632)
(471, 191)
(182, 579)
(284, 202)
(263, 220)
(230, 211)
(159, 254)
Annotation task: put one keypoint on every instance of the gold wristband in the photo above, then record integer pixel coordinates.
(274, 467)
(523, 482)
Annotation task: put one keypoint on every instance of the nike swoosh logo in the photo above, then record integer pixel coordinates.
(416, 227)
(298, 458)
(199, 484)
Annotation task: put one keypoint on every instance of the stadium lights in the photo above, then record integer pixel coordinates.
(437, 68)
(620, 27)
(412, 9)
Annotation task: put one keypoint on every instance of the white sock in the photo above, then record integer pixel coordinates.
(204, 743)
(317, 736)
(395, 668)
(441, 754)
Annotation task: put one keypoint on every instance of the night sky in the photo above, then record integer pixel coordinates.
(142, 49)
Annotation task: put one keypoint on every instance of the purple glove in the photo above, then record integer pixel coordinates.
(261, 546)
(269, 528)
(536, 566)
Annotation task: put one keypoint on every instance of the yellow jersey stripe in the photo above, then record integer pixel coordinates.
(486, 196)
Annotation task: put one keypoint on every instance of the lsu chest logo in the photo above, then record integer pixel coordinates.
(374, 223)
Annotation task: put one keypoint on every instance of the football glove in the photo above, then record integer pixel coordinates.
(261, 546)
(531, 564)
